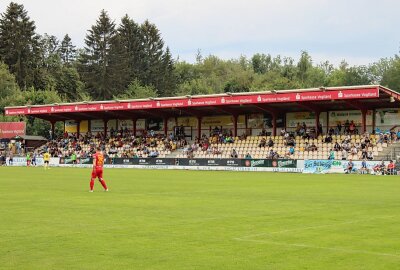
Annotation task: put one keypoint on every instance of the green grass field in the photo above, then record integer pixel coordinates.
(154, 219)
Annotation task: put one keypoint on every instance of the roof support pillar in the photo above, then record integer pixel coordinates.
(53, 127)
(165, 119)
(273, 124)
(134, 120)
(364, 120)
(235, 122)
(317, 113)
(78, 129)
(373, 120)
(105, 128)
(199, 118)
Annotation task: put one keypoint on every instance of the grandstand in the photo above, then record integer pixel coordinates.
(320, 123)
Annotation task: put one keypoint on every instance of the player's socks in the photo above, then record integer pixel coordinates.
(103, 183)
(91, 184)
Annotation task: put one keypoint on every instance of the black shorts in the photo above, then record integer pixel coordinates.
(46, 162)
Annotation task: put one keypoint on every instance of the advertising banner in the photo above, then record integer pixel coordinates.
(125, 124)
(272, 163)
(72, 127)
(387, 117)
(364, 93)
(223, 120)
(21, 161)
(333, 166)
(12, 129)
(307, 117)
(68, 160)
(336, 117)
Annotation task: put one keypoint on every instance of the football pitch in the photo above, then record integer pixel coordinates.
(159, 219)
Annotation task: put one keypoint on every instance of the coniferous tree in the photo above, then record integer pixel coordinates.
(19, 44)
(131, 39)
(67, 50)
(155, 60)
(100, 63)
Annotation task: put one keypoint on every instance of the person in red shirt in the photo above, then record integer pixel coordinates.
(390, 168)
(98, 162)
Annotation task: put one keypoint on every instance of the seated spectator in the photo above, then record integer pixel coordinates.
(364, 154)
(216, 151)
(331, 155)
(328, 139)
(337, 147)
(270, 143)
(313, 147)
(344, 154)
(271, 154)
(382, 168)
(350, 166)
(390, 168)
(290, 151)
(263, 142)
(370, 155)
(248, 156)
(234, 153)
(153, 153)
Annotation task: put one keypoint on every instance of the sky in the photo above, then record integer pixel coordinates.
(360, 32)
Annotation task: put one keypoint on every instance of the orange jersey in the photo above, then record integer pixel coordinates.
(99, 160)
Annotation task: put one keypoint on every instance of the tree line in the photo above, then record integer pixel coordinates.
(127, 59)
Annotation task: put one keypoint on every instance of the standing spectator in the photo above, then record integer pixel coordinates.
(10, 159)
(364, 168)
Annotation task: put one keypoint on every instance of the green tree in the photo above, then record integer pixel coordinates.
(157, 64)
(304, 64)
(261, 63)
(132, 40)
(67, 50)
(9, 89)
(136, 90)
(391, 76)
(19, 44)
(103, 62)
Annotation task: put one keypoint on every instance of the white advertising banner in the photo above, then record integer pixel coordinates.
(387, 117)
(123, 124)
(307, 117)
(336, 117)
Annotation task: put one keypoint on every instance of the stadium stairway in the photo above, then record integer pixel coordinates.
(390, 152)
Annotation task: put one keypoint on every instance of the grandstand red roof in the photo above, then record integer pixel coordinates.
(279, 101)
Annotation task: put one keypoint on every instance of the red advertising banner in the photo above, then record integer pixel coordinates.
(12, 129)
(362, 93)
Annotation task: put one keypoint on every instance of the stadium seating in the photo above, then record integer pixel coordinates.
(250, 145)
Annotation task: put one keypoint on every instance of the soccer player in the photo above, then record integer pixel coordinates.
(98, 162)
(34, 159)
(28, 159)
(46, 158)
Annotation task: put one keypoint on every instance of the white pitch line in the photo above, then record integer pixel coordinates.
(313, 227)
(360, 251)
